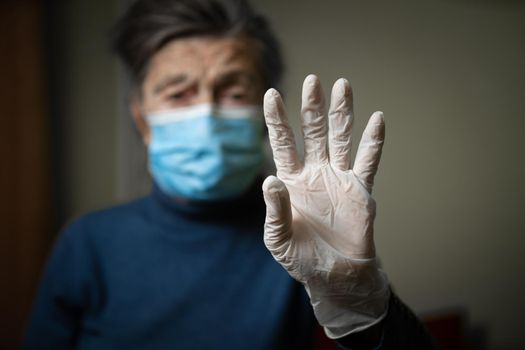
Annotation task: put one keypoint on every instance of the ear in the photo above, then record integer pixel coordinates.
(138, 118)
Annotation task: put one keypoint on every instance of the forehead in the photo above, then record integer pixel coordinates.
(203, 58)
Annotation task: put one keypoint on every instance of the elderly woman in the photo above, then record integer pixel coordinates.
(186, 267)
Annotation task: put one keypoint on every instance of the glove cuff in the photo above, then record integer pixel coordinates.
(362, 305)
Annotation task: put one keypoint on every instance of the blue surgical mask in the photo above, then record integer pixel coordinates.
(206, 152)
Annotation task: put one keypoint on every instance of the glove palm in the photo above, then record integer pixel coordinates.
(319, 223)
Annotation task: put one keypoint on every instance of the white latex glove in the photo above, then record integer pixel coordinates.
(320, 215)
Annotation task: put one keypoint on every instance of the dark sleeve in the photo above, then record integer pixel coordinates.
(62, 295)
(400, 329)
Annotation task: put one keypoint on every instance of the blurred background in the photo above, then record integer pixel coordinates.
(448, 74)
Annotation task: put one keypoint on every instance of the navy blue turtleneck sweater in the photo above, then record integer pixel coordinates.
(161, 274)
(158, 274)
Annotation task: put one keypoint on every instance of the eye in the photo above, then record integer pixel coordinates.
(179, 95)
(180, 98)
(234, 95)
(237, 96)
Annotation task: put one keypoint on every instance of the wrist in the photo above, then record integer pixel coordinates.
(358, 307)
(370, 338)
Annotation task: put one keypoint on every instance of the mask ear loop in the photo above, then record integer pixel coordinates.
(139, 116)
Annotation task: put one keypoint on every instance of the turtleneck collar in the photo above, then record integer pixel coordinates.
(242, 208)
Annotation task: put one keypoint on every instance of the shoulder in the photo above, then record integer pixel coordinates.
(118, 214)
(106, 222)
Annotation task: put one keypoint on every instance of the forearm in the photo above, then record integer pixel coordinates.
(400, 329)
(369, 339)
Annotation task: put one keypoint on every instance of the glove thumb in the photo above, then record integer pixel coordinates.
(278, 225)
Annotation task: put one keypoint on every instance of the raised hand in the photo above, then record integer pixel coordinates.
(320, 214)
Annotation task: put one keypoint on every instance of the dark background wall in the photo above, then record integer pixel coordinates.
(26, 200)
(447, 73)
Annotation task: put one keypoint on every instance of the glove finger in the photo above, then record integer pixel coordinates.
(280, 134)
(340, 122)
(278, 224)
(369, 151)
(314, 121)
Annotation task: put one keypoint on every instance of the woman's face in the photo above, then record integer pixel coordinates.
(216, 70)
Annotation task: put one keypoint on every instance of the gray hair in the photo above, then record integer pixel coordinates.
(148, 25)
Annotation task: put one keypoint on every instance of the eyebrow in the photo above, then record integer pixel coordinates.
(169, 81)
(236, 76)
